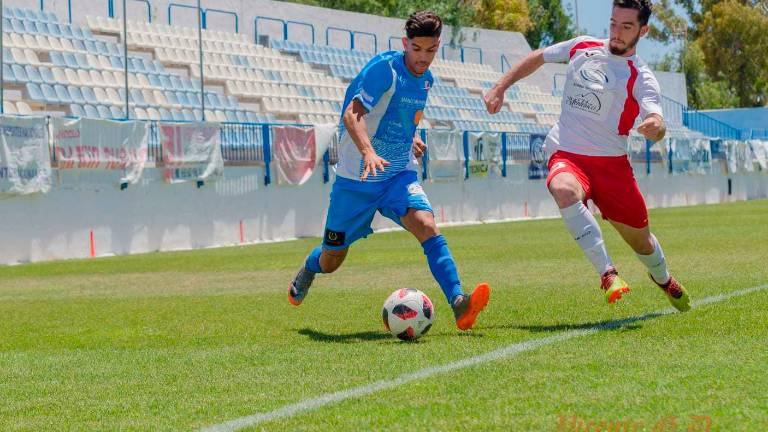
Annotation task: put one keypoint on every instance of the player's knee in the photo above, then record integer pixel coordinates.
(644, 246)
(565, 194)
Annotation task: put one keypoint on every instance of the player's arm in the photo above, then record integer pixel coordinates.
(354, 122)
(653, 127)
(648, 93)
(418, 145)
(494, 98)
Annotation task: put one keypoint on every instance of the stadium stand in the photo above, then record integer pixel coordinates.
(61, 69)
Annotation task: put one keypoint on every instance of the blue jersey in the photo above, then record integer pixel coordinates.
(395, 100)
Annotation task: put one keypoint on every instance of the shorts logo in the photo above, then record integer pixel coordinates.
(558, 166)
(334, 238)
(415, 189)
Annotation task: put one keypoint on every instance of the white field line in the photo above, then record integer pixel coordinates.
(497, 354)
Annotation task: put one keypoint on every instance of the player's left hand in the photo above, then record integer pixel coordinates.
(652, 128)
(418, 147)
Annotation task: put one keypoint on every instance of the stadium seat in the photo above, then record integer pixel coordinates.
(9, 108)
(117, 112)
(91, 111)
(104, 112)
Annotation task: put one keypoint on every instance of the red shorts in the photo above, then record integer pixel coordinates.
(608, 181)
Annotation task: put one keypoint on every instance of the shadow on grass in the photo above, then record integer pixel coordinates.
(366, 336)
(373, 336)
(624, 324)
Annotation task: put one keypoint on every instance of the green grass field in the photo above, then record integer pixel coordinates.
(181, 341)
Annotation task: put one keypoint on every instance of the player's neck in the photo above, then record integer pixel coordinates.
(408, 66)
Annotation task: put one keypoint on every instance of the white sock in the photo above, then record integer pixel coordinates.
(655, 262)
(585, 230)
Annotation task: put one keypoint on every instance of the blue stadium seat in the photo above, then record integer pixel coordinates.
(20, 73)
(33, 74)
(231, 116)
(165, 82)
(241, 116)
(78, 34)
(177, 115)
(188, 116)
(77, 110)
(49, 94)
(34, 92)
(8, 74)
(198, 114)
(57, 59)
(87, 33)
(91, 111)
(16, 26)
(90, 46)
(117, 63)
(170, 96)
(78, 45)
(89, 95)
(46, 74)
(112, 50)
(70, 61)
(62, 94)
(176, 83)
(182, 98)
(165, 114)
(75, 94)
(117, 112)
(29, 27)
(104, 111)
(137, 98)
(66, 32)
(154, 80)
(82, 61)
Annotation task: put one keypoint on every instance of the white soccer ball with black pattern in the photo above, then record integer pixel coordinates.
(408, 314)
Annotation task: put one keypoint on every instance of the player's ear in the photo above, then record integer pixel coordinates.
(405, 43)
(644, 30)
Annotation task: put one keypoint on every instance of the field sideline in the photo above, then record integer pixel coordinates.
(186, 340)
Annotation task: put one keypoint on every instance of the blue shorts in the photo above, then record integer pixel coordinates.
(354, 203)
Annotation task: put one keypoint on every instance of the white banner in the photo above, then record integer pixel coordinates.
(445, 155)
(295, 154)
(325, 135)
(740, 157)
(25, 159)
(101, 145)
(484, 154)
(760, 150)
(191, 151)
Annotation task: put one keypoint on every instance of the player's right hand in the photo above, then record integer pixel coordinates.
(494, 100)
(371, 163)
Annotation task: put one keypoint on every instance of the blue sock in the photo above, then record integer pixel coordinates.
(313, 260)
(443, 266)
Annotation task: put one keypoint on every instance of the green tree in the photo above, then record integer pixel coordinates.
(733, 38)
(509, 15)
(550, 23)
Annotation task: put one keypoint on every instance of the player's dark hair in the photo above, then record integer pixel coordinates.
(423, 24)
(643, 7)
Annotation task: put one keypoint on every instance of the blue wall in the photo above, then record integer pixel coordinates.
(743, 118)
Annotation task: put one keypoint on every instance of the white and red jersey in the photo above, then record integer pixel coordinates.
(604, 93)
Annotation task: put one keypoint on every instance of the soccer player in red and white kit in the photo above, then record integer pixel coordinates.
(607, 87)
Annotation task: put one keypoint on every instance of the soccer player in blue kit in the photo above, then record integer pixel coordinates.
(377, 168)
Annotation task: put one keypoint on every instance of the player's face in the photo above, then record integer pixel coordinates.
(419, 53)
(625, 31)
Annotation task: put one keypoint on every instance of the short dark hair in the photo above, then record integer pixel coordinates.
(423, 24)
(643, 7)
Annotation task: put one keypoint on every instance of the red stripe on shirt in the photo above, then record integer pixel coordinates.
(631, 108)
(584, 45)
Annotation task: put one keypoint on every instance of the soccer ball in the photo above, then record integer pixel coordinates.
(408, 314)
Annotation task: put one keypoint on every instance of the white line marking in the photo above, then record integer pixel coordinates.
(497, 354)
